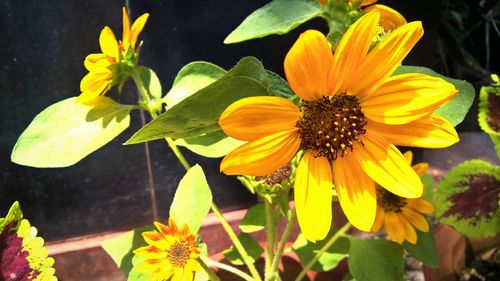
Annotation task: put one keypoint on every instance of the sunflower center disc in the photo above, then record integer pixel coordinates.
(329, 126)
(390, 202)
(179, 254)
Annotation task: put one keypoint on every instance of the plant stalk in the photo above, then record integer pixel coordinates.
(291, 215)
(208, 270)
(271, 224)
(231, 269)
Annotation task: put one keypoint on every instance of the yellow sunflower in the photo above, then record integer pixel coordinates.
(172, 253)
(352, 114)
(100, 77)
(400, 216)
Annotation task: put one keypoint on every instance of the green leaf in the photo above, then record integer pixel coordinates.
(329, 259)
(120, 248)
(251, 246)
(199, 113)
(192, 78)
(428, 182)
(425, 250)
(192, 200)
(375, 260)
(14, 214)
(488, 117)
(150, 81)
(456, 109)
(134, 275)
(212, 145)
(254, 220)
(468, 199)
(278, 86)
(67, 131)
(277, 17)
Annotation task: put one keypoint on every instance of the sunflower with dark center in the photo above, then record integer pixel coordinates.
(353, 113)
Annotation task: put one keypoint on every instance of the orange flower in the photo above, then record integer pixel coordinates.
(390, 19)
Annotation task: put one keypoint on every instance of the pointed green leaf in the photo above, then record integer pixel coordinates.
(329, 259)
(192, 200)
(150, 81)
(277, 17)
(199, 113)
(251, 246)
(375, 260)
(456, 109)
(425, 250)
(67, 131)
(254, 220)
(192, 78)
(468, 199)
(14, 214)
(212, 145)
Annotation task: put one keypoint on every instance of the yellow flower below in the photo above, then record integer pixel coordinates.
(102, 75)
(353, 113)
(171, 253)
(400, 216)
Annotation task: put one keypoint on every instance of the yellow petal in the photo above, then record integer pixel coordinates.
(421, 206)
(126, 29)
(93, 62)
(410, 233)
(356, 192)
(188, 274)
(430, 132)
(262, 156)
(255, 117)
(93, 85)
(155, 239)
(307, 64)
(150, 252)
(385, 57)
(408, 157)
(363, 2)
(109, 45)
(379, 220)
(351, 52)
(416, 219)
(394, 228)
(384, 163)
(137, 27)
(407, 97)
(313, 196)
(421, 168)
(390, 19)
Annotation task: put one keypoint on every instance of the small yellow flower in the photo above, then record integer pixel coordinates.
(101, 74)
(400, 216)
(352, 114)
(390, 19)
(172, 253)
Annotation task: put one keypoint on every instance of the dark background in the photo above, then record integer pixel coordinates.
(42, 48)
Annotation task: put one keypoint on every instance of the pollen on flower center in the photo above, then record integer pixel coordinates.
(390, 202)
(329, 126)
(178, 255)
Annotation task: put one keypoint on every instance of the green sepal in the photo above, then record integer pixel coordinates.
(276, 17)
(468, 198)
(251, 246)
(375, 260)
(192, 200)
(306, 251)
(425, 250)
(67, 131)
(454, 110)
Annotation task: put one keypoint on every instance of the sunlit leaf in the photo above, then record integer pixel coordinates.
(277, 17)
(67, 131)
(425, 250)
(150, 81)
(468, 199)
(251, 246)
(212, 145)
(254, 220)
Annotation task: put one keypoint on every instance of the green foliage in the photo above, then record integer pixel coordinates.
(250, 245)
(489, 101)
(456, 109)
(192, 200)
(150, 81)
(254, 220)
(375, 260)
(212, 145)
(67, 131)
(425, 250)
(329, 259)
(191, 78)
(428, 182)
(199, 113)
(277, 17)
(468, 199)
(14, 214)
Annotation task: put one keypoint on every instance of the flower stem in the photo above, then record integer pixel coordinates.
(237, 244)
(323, 249)
(178, 153)
(270, 237)
(208, 270)
(284, 238)
(231, 269)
